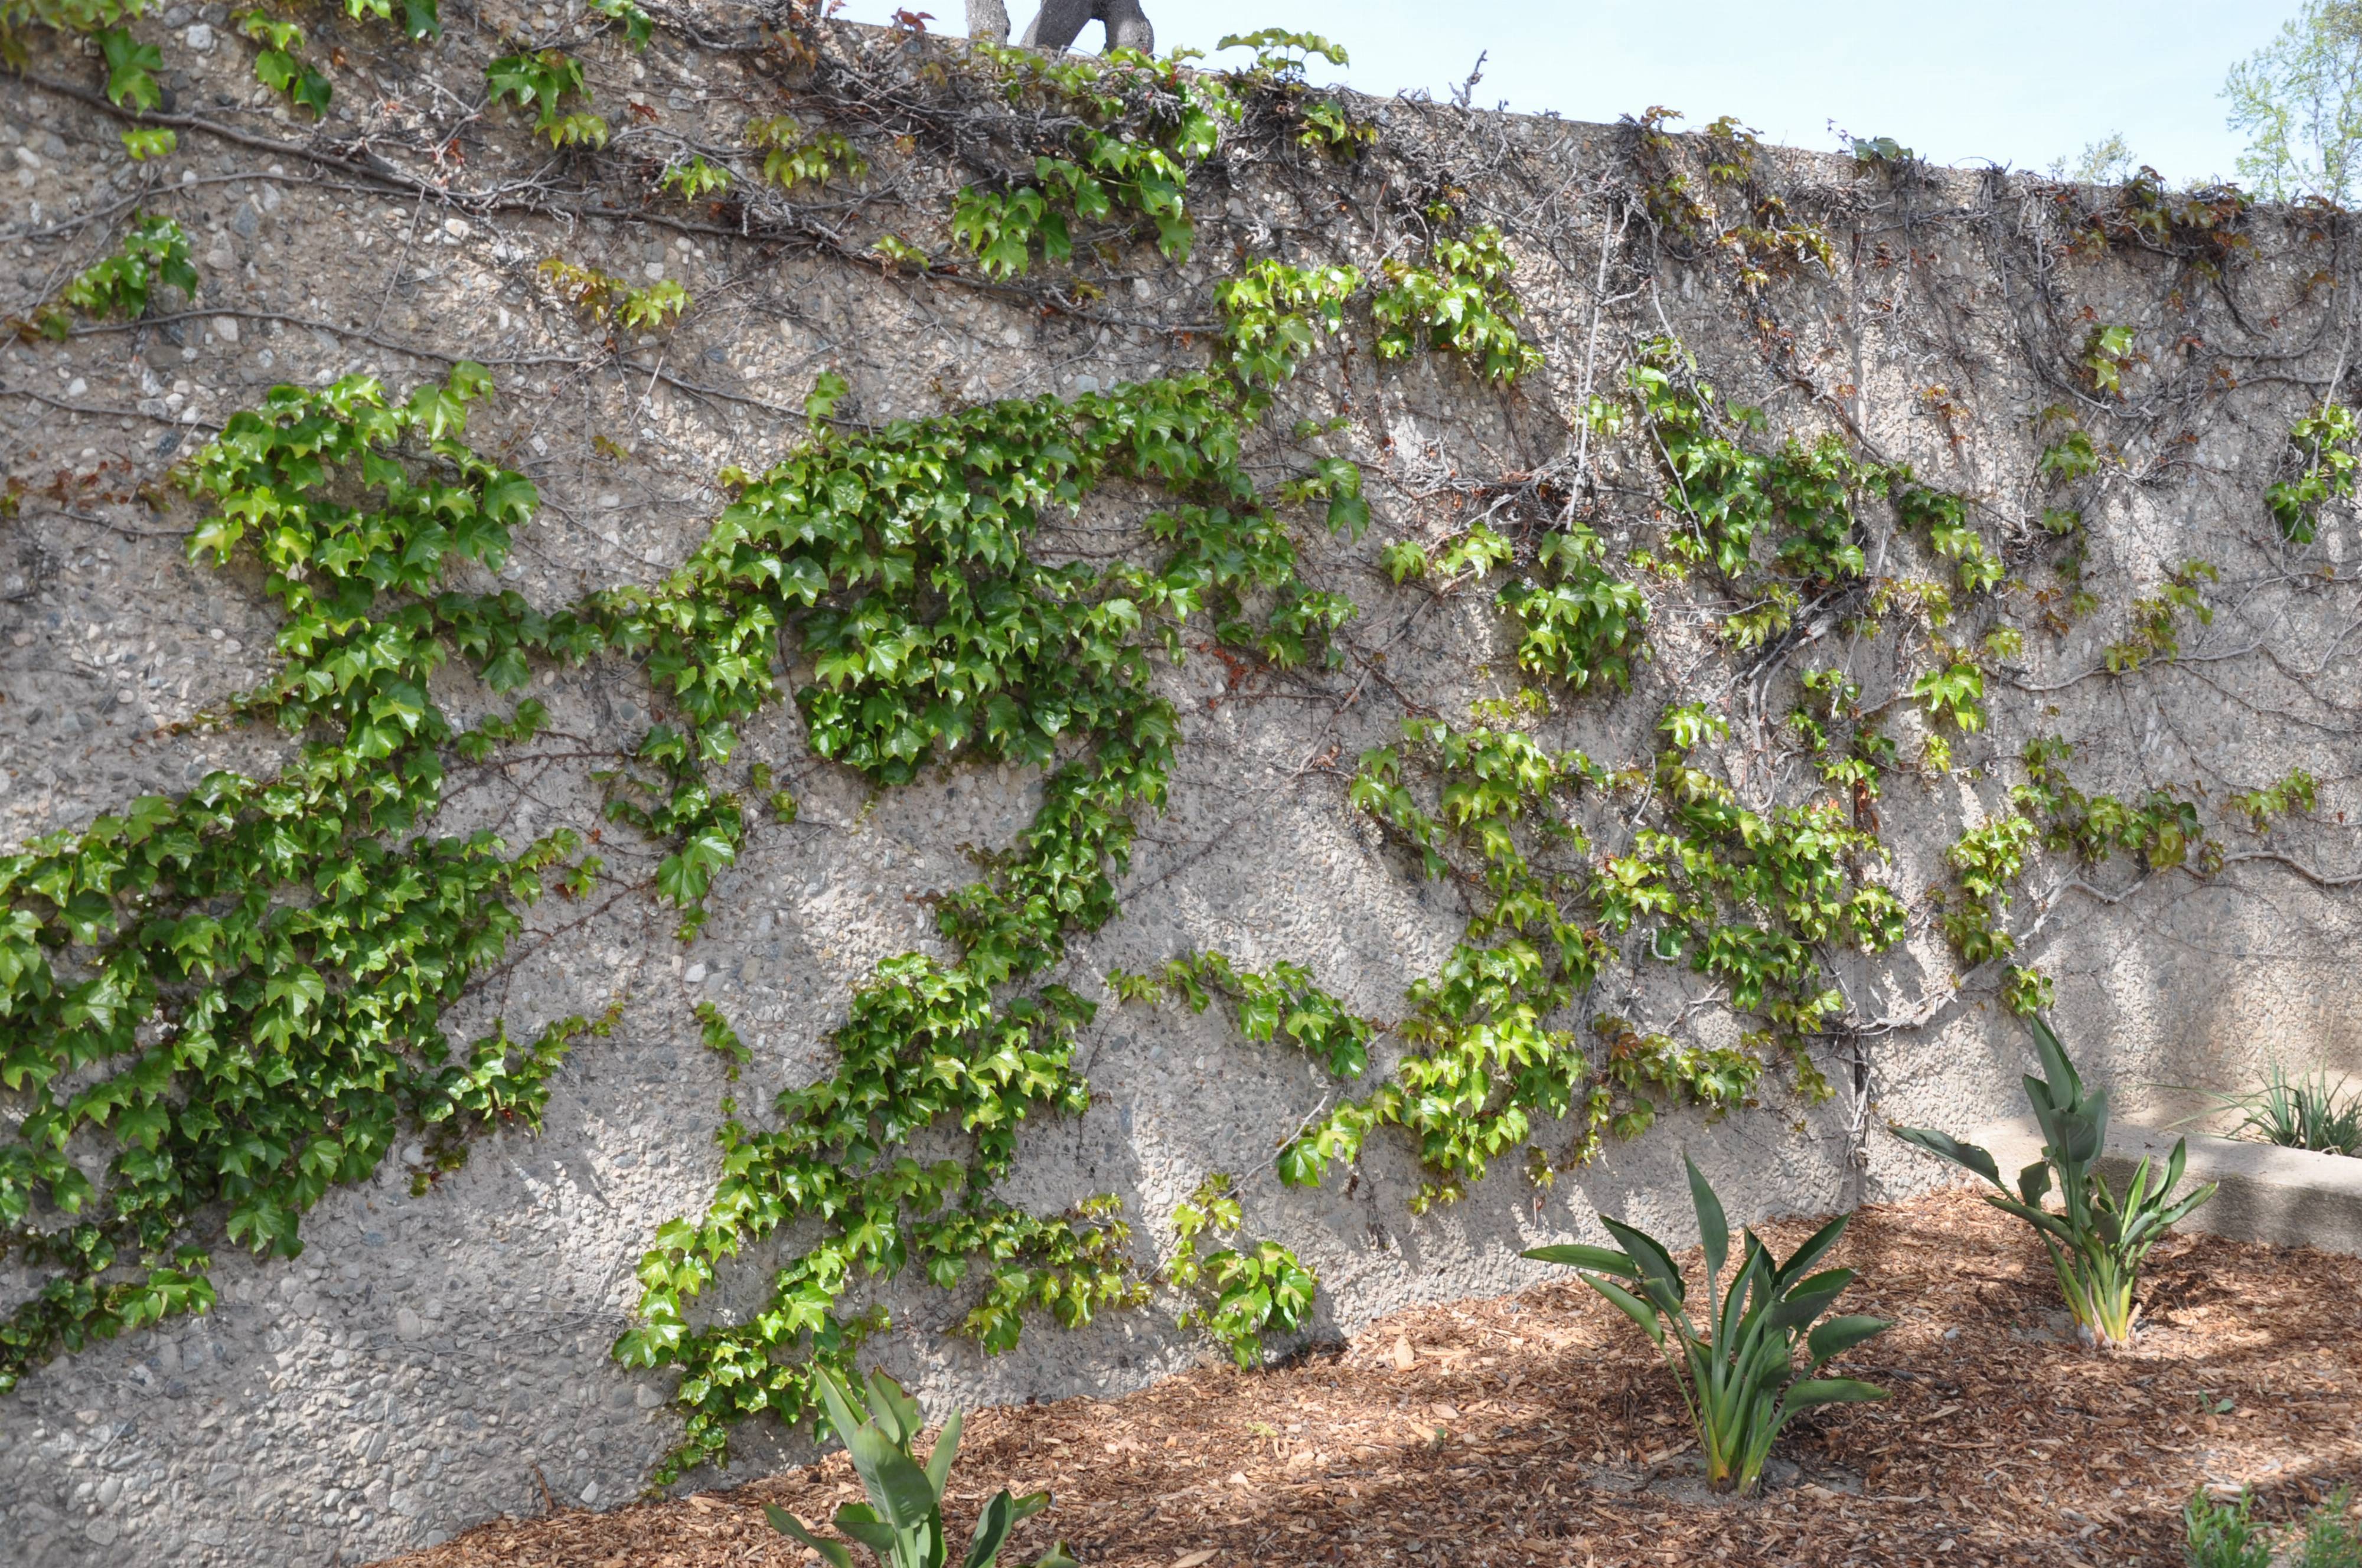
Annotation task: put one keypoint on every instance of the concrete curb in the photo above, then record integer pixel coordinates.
(2291, 1197)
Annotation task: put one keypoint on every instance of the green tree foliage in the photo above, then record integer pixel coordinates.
(2299, 99)
(2106, 161)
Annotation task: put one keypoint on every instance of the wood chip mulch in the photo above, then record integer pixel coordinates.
(1541, 1429)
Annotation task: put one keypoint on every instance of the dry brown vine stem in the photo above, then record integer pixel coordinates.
(797, 227)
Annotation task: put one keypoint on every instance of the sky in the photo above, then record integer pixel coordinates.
(2021, 83)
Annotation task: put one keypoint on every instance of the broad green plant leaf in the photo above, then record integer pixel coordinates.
(1968, 1156)
(1604, 1260)
(831, 1552)
(1714, 1229)
(1803, 1395)
(992, 1527)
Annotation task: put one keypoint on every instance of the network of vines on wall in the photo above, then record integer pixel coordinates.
(237, 994)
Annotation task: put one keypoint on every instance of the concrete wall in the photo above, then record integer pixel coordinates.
(430, 1361)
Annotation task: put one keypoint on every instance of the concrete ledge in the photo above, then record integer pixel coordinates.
(2291, 1197)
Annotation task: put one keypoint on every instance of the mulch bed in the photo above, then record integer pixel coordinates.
(1539, 1429)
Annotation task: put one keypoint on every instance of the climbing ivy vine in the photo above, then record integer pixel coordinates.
(154, 252)
(902, 559)
(237, 996)
(2163, 830)
(1283, 999)
(2323, 442)
(1460, 303)
(1255, 1289)
(1133, 128)
(1485, 1063)
(247, 1046)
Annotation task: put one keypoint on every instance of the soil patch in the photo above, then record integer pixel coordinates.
(1539, 1429)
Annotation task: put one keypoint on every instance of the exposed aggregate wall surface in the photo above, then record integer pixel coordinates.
(432, 1360)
